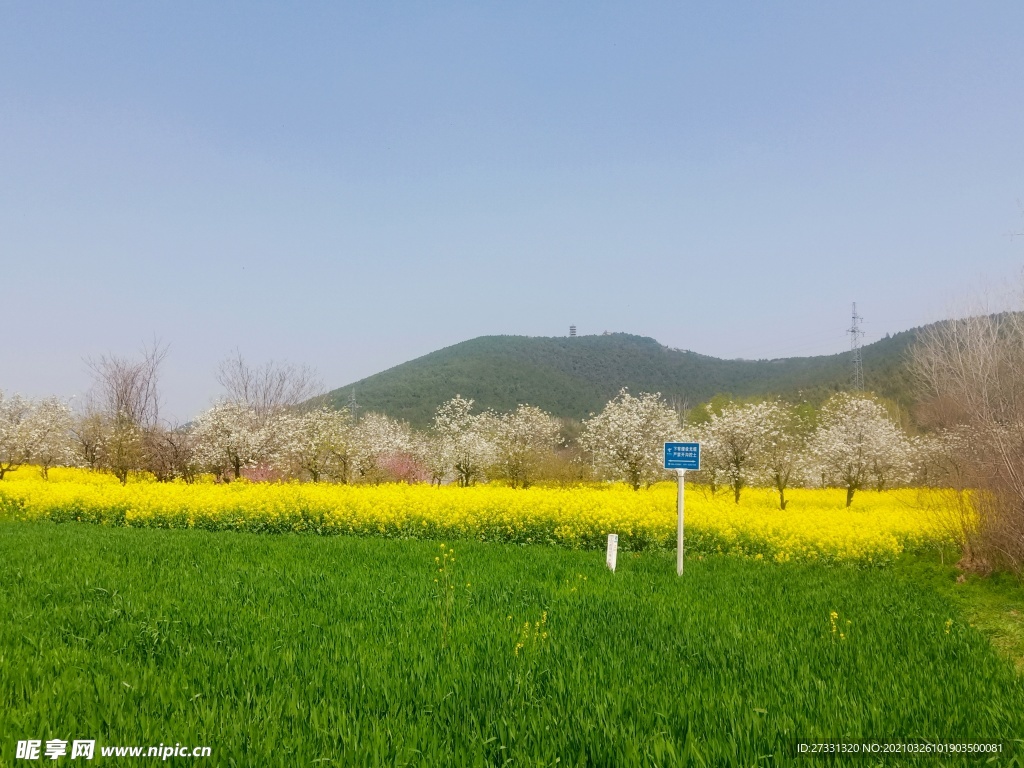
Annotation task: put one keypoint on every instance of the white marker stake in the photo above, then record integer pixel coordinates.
(613, 550)
(681, 476)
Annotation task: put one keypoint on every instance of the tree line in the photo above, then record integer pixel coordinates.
(272, 423)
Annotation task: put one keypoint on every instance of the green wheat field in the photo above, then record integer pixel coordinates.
(297, 650)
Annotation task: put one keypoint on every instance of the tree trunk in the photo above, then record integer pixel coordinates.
(849, 495)
(782, 498)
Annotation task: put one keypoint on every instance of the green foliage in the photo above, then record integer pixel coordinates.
(993, 603)
(284, 651)
(574, 377)
(702, 412)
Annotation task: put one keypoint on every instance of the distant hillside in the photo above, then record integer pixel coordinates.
(573, 377)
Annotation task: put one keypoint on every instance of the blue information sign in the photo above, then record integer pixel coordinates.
(682, 455)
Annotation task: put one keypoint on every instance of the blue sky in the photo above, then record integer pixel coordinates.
(353, 185)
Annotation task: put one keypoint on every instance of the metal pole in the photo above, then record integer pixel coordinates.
(681, 476)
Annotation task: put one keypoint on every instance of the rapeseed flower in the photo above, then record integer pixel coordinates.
(816, 526)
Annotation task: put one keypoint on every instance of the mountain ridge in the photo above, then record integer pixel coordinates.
(572, 377)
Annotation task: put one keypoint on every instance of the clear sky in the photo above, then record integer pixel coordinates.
(350, 186)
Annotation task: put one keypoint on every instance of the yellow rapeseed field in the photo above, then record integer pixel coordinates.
(815, 526)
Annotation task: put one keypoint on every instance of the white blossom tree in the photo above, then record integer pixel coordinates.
(783, 454)
(946, 458)
(522, 438)
(231, 437)
(432, 451)
(48, 438)
(627, 438)
(739, 434)
(90, 432)
(381, 440)
(14, 414)
(856, 442)
(256, 418)
(464, 439)
(894, 466)
(712, 456)
(321, 443)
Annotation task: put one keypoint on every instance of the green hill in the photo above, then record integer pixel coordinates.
(573, 377)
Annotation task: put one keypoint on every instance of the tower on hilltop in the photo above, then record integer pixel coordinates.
(858, 364)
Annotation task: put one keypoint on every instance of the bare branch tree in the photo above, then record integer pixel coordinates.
(971, 373)
(126, 393)
(89, 432)
(269, 388)
(126, 389)
(170, 453)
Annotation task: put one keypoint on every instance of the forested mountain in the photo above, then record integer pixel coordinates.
(572, 377)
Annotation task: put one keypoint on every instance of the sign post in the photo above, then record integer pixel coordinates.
(681, 457)
(680, 493)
